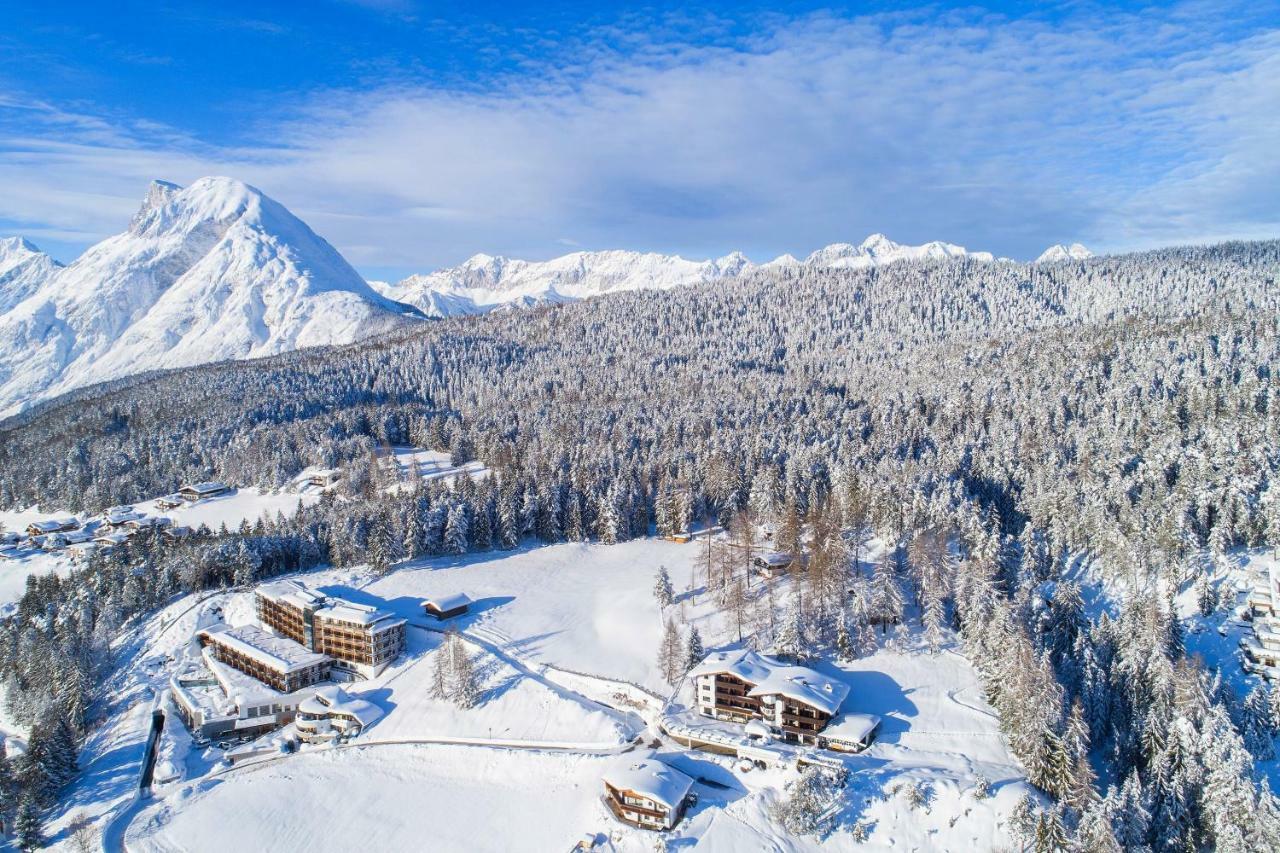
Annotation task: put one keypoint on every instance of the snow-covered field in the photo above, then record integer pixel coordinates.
(387, 798)
(529, 777)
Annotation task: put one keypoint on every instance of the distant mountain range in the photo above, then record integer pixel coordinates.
(483, 282)
(220, 271)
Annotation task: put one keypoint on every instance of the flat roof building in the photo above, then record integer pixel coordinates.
(361, 639)
(275, 661)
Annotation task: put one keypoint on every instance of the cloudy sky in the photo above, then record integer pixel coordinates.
(414, 134)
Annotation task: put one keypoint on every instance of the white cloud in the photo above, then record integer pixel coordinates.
(1119, 130)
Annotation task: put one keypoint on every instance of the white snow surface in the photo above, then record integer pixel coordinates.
(1062, 252)
(484, 282)
(211, 272)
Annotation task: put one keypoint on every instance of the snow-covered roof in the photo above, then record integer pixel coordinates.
(148, 521)
(121, 514)
(205, 487)
(851, 728)
(652, 779)
(777, 558)
(291, 592)
(278, 653)
(755, 728)
(339, 610)
(445, 603)
(745, 665)
(803, 685)
(299, 595)
(52, 525)
(175, 499)
(772, 677)
(111, 538)
(332, 699)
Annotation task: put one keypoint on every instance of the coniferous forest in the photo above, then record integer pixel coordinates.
(1000, 424)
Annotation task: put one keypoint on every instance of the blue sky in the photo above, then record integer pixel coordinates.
(414, 134)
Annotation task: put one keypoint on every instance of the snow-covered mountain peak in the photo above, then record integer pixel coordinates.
(23, 270)
(1061, 252)
(879, 243)
(15, 249)
(213, 271)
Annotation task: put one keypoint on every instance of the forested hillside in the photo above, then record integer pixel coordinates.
(1124, 407)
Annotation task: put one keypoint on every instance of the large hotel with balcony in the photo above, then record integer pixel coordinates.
(795, 703)
(360, 639)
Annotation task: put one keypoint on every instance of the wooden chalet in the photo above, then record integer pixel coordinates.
(52, 525)
(795, 702)
(201, 491)
(647, 793)
(447, 606)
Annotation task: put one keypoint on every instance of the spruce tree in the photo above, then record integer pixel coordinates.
(662, 591)
(694, 651)
(27, 831)
(455, 530)
(886, 595)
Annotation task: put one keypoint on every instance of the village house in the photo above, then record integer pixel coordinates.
(118, 516)
(447, 606)
(1261, 647)
(172, 501)
(776, 563)
(362, 640)
(278, 662)
(795, 702)
(647, 793)
(200, 491)
(147, 522)
(52, 525)
(325, 478)
(110, 540)
(330, 713)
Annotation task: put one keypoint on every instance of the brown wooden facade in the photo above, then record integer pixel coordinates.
(284, 681)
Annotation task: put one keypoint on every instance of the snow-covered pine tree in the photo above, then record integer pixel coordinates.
(455, 530)
(27, 831)
(1255, 724)
(694, 651)
(662, 590)
(792, 642)
(886, 595)
(809, 807)
(846, 648)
